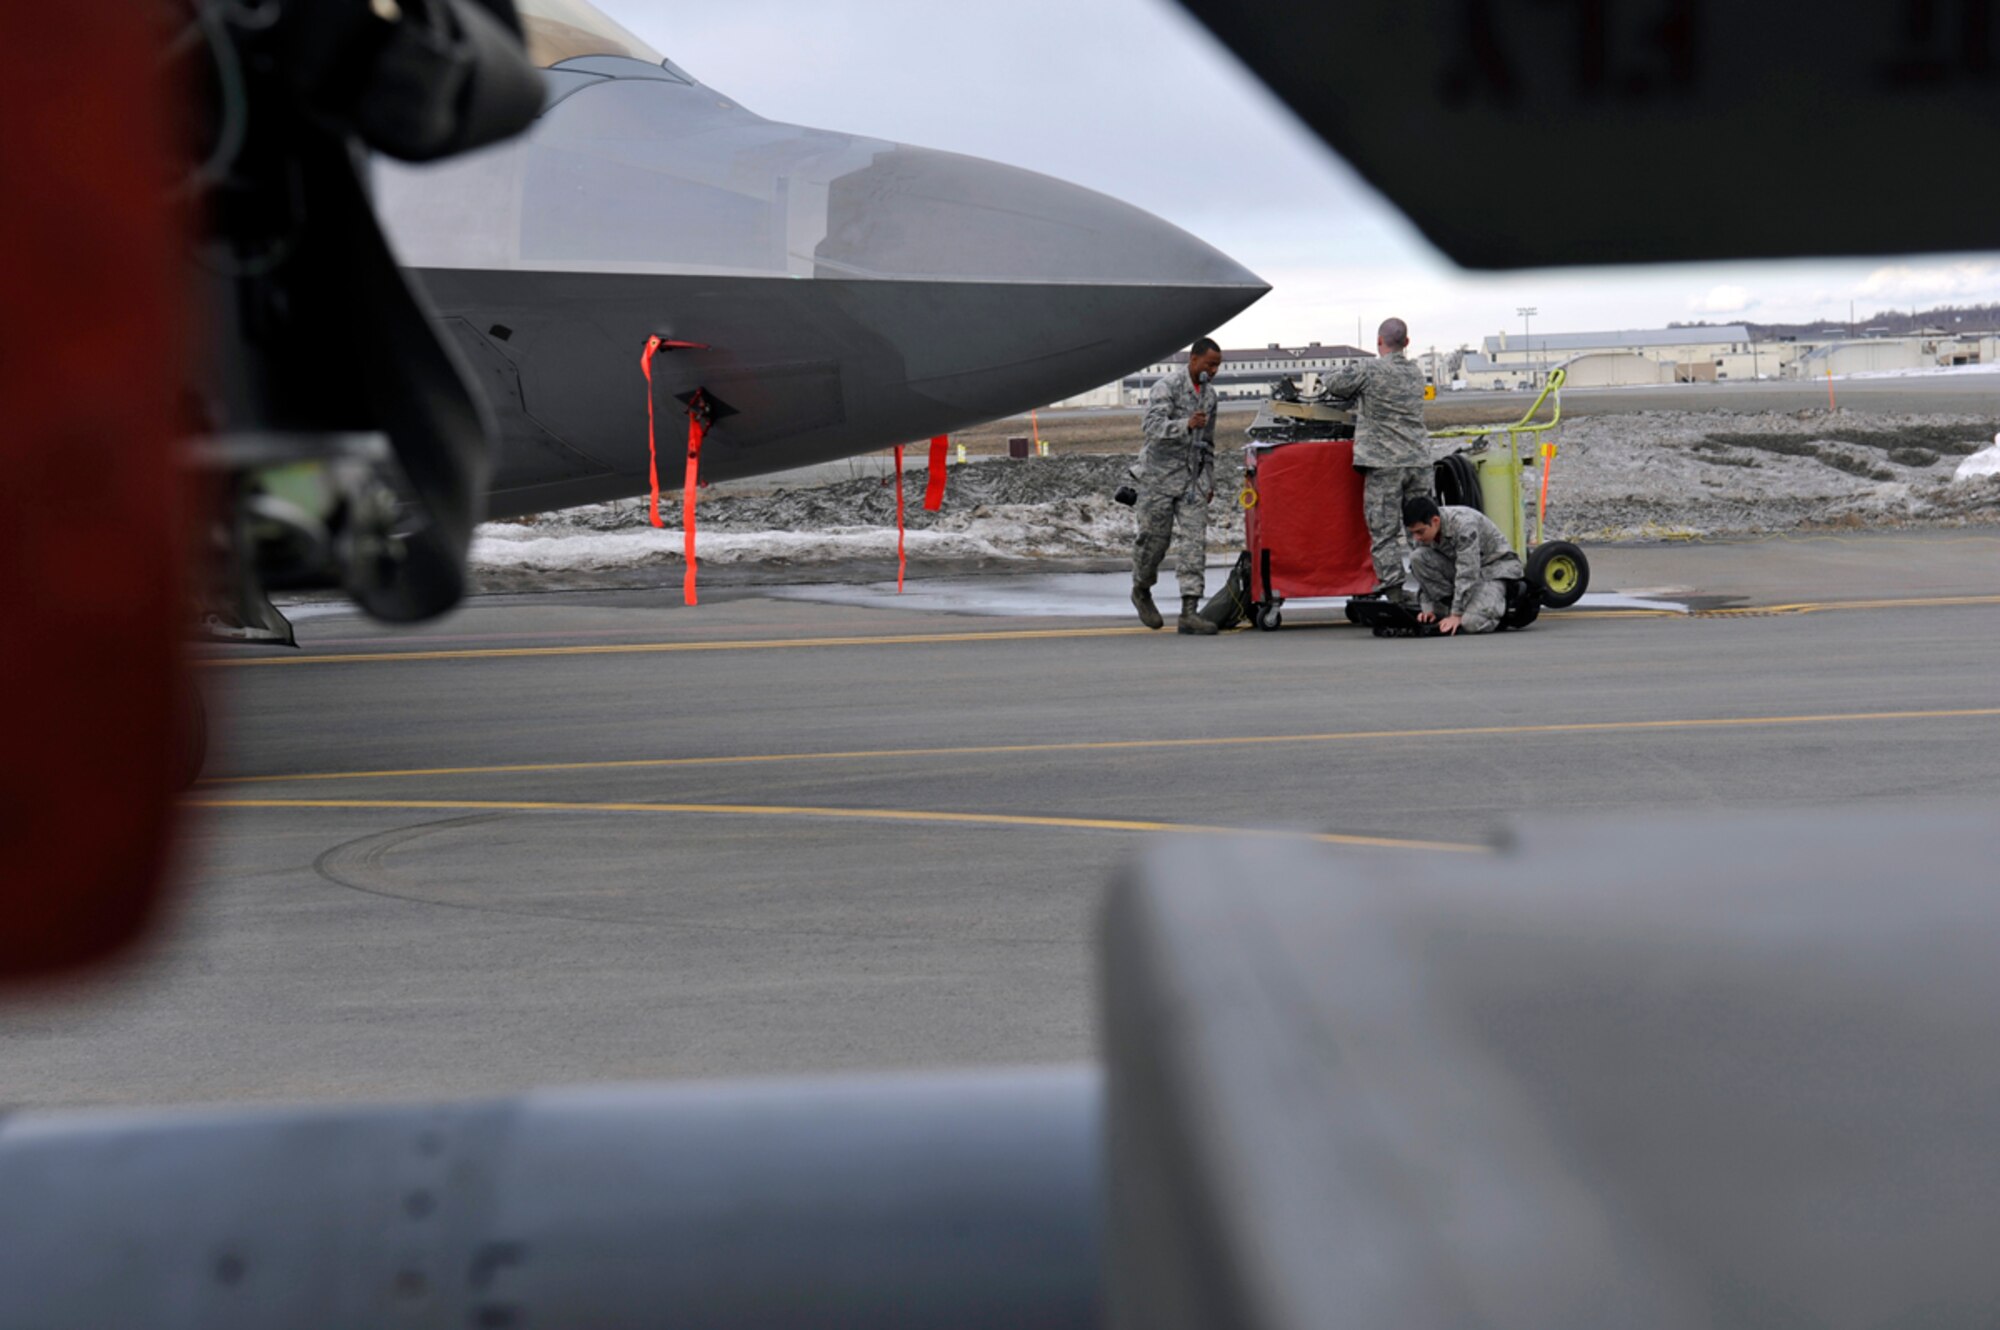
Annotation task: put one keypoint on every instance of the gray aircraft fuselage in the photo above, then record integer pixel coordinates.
(852, 293)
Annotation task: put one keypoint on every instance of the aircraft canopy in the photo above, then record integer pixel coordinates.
(559, 30)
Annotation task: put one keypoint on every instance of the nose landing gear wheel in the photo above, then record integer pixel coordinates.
(1268, 618)
(1559, 569)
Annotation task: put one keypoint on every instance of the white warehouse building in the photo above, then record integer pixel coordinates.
(1690, 355)
(1712, 354)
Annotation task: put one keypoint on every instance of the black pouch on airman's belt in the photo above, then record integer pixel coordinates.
(1388, 618)
(1524, 603)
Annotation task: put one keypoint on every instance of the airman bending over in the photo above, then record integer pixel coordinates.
(1461, 562)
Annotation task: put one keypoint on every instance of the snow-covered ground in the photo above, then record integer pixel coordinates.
(1616, 477)
(549, 547)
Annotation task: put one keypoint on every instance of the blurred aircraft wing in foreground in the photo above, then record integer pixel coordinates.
(1525, 133)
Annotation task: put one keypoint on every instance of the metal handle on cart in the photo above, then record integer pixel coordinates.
(1527, 424)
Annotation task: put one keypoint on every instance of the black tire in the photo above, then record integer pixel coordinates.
(1457, 482)
(1269, 618)
(1558, 570)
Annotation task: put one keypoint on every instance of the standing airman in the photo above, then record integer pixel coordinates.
(1176, 481)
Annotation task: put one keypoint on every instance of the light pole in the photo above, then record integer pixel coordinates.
(1528, 312)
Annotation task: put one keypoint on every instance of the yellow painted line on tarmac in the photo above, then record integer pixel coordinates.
(1134, 745)
(1001, 635)
(658, 648)
(1794, 608)
(1822, 606)
(855, 814)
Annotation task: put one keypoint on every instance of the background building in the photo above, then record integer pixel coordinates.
(1245, 374)
(1696, 354)
(1713, 353)
(1929, 349)
(1620, 358)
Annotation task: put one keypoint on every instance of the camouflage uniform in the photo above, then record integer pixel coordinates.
(1176, 476)
(1461, 572)
(1392, 450)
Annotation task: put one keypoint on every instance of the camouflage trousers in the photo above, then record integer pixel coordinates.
(1383, 489)
(1437, 578)
(1173, 511)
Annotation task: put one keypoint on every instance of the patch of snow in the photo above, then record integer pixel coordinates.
(540, 550)
(1647, 476)
(1984, 463)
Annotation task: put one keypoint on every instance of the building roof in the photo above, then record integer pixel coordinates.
(1592, 341)
(1476, 363)
(1311, 351)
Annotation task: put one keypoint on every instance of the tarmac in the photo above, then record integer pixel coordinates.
(592, 837)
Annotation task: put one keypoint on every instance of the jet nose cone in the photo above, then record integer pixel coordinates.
(915, 213)
(1010, 288)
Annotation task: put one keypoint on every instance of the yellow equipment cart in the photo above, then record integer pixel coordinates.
(1486, 474)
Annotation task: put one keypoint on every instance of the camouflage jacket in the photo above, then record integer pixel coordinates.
(1173, 401)
(1389, 393)
(1477, 550)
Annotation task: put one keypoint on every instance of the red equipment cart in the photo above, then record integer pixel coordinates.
(1303, 528)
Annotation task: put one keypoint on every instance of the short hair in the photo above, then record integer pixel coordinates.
(1418, 509)
(1394, 332)
(1202, 346)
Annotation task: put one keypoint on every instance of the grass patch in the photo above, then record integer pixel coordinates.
(1781, 444)
(1855, 466)
(1913, 445)
(1788, 446)
(1721, 454)
(1947, 440)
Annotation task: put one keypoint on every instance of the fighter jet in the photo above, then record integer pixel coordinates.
(841, 293)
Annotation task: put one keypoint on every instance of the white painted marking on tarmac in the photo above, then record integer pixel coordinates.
(303, 611)
(1625, 600)
(1057, 595)
(1082, 595)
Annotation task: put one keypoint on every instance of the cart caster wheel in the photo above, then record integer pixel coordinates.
(1269, 618)
(1559, 569)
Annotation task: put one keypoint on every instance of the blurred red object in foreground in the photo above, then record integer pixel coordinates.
(92, 608)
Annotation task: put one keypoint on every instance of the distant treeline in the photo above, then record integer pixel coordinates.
(1895, 323)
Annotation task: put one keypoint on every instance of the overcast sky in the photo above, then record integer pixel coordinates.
(1134, 98)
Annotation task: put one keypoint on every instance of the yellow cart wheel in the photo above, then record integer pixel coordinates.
(1559, 569)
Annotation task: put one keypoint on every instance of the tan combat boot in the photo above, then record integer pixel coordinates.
(1191, 621)
(1149, 613)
